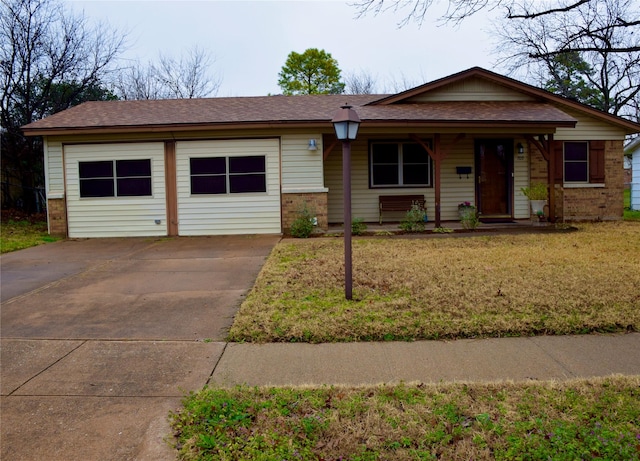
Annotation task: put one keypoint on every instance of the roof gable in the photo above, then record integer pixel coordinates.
(470, 84)
(473, 88)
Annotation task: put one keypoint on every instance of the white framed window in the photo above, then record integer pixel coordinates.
(399, 164)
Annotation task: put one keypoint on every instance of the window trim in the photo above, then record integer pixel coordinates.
(114, 179)
(227, 175)
(400, 164)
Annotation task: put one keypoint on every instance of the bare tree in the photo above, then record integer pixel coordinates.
(359, 83)
(587, 38)
(50, 58)
(184, 78)
(400, 83)
(138, 82)
(458, 10)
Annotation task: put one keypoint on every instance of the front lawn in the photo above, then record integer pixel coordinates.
(582, 419)
(17, 235)
(432, 288)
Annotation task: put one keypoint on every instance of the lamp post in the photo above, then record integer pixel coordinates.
(346, 123)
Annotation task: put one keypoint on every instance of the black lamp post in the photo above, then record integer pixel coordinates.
(346, 123)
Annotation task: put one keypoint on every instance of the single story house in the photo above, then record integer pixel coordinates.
(633, 149)
(245, 165)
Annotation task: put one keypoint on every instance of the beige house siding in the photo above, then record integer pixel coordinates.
(115, 216)
(456, 189)
(521, 178)
(301, 167)
(472, 89)
(588, 128)
(219, 214)
(54, 166)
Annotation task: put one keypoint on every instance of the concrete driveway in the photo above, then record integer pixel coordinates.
(101, 338)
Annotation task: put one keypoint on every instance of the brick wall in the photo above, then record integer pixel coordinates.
(538, 167)
(293, 203)
(57, 214)
(588, 203)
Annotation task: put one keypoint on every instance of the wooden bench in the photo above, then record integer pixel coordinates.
(398, 202)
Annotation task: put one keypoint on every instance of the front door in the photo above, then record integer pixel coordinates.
(494, 178)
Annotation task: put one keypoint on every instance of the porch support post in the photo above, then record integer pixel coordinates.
(551, 171)
(437, 169)
(546, 148)
(437, 155)
(171, 188)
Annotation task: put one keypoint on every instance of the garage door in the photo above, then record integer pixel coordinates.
(115, 190)
(228, 186)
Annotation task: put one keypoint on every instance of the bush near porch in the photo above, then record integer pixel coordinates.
(436, 288)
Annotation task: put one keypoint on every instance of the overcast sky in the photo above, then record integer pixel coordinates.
(250, 41)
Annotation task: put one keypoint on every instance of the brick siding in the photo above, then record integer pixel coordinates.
(57, 214)
(293, 203)
(588, 203)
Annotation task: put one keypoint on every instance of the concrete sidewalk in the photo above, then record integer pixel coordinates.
(536, 358)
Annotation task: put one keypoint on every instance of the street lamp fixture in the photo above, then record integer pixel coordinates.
(346, 123)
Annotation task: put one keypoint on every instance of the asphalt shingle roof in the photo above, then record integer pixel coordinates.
(304, 109)
(542, 109)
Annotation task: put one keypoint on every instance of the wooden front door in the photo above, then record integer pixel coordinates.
(494, 177)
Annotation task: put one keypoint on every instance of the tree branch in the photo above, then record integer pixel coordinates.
(583, 49)
(545, 12)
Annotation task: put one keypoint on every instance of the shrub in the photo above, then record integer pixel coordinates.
(414, 219)
(469, 218)
(302, 226)
(358, 226)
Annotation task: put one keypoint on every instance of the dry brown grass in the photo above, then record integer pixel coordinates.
(429, 288)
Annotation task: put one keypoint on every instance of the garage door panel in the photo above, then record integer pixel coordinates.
(115, 216)
(229, 213)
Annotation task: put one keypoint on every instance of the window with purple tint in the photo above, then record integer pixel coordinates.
(576, 162)
(115, 178)
(234, 175)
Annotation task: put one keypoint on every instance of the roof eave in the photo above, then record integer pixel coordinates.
(168, 128)
(475, 123)
(323, 124)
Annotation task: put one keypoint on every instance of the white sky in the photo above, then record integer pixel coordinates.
(250, 40)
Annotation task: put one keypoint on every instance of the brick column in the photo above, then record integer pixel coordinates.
(57, 216)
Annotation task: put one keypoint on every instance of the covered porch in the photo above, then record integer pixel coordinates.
(448, 167)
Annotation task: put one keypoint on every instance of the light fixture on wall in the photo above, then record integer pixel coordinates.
(313, 145)
(520, 148)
